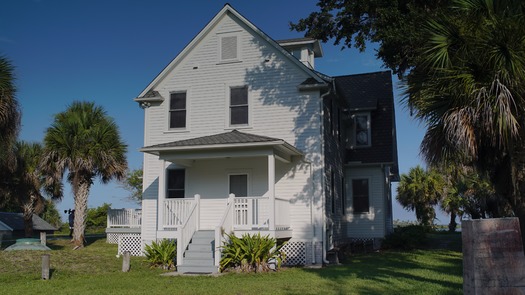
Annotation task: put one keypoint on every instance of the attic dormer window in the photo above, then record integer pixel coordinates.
(229, 47)
(362, 130)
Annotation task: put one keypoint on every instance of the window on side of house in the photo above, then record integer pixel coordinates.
(238, 106)
(177, 112)
(360, 195)
(362, 130)
(176, 179)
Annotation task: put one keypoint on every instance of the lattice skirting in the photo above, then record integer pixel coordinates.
(131, 243)
(296, 253)
(112, 238)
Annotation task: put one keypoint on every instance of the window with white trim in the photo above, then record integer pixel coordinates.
(176, 179)
(239, 106)
(177, 112)
(362, 130)
(360, 195)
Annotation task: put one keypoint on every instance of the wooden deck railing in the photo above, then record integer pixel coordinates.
(188, 227)
(225, 226)
(176, 212)
(251, 212)
(126, 218)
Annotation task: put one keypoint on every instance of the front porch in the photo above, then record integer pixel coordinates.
(183, 218)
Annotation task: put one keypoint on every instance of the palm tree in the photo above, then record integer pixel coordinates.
(27, 183)
(9, 124)
(85, 142)
(469, 91)
(420, 191)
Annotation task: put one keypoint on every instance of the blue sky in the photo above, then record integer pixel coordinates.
(107, 51)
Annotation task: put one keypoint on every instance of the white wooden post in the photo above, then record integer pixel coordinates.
(162, 195)
(198, 211)
(271, 190)
(231, 200)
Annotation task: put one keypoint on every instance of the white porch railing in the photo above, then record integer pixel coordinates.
(282, 214)
(176, 212)
(127, 218)
(188, 227)
(225, 226)
(251, 213)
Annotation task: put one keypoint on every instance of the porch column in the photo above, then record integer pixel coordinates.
(162, 194)
(271, 190)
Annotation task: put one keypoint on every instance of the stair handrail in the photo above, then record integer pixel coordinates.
(187, 229)
(226, 226)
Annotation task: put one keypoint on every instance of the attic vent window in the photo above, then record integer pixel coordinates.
(229, 47)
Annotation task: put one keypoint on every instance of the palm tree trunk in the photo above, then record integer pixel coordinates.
(452, 225)
(29, 210)
(79, 226)
(28, 219)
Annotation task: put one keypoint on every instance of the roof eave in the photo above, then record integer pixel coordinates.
(312, 87)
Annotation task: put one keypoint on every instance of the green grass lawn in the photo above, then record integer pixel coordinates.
(96, 270)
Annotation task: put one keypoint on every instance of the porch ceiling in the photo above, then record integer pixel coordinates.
(229, 144)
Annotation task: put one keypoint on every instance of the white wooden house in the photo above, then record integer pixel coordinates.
(243, 135)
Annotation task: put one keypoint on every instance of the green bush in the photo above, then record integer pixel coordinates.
(251, 253)
(406, 238)
(161, 254)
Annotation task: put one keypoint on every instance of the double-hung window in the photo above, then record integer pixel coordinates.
(360, 194)
(362, 130)
(176, 179)
(177, 112)
(238, 106)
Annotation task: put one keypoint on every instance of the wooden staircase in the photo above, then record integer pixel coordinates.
(199, 257)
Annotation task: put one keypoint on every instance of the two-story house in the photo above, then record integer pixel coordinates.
(243, 135)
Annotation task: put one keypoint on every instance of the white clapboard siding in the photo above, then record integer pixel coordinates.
(149, 222)
(211, 213)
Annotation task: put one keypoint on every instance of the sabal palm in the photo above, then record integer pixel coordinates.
(420, 191)
(469, 91)
(9, 123)
(85, 142)
(27, 182)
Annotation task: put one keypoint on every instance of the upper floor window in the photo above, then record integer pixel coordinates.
(360, 195)
(362, 130)
(176, 180)
(229, 47)
(239, 105)
(177, 113)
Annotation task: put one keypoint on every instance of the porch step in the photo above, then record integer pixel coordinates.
(199, 257)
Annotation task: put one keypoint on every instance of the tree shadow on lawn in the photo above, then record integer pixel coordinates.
(395, 269)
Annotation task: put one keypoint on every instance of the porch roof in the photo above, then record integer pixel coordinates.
(232, 139)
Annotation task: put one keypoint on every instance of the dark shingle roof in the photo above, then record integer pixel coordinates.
(233, 137)
(16, 221)
(363, 91)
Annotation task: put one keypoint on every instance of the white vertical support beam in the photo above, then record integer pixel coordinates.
(198, 211)
(271, 189)
(231, 200)
(162, 194)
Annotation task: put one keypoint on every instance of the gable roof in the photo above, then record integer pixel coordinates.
(225, 10)
(223, 140)
(16, 221)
